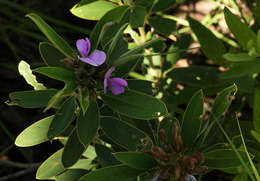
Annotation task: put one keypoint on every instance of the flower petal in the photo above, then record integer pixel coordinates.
(119, 81)
(116, 88)
(98, 57)
(88, 60)
(82, 46)
(105, 85)
(109, 72)
(88, 45)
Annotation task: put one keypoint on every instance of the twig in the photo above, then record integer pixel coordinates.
(9, 163)
(18, 174)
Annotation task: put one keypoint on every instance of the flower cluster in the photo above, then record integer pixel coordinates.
(173, 161)
(97, 58)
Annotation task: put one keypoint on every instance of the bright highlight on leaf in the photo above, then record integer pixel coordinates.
(25, 70)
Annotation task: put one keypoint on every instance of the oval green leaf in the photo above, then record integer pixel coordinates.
(62, 118)
(34, 134)
(72, 150)
(192, 118)
(57, 73)
(136, 105)
(50, 55)
(31, 99)
(52, 36)
(238, 57)
(241, 31)
(87, 125)
(70, 175)
(213, 50)
(105, 156)
(223, 158)
(122, 133)
(92, 11)
(164, 26)
(113, 173)
(50, 167)
(136, 160)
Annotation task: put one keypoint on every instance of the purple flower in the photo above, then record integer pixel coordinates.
(116, 85)
(96, 58)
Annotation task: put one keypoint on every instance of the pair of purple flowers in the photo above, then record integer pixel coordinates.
(97, 58)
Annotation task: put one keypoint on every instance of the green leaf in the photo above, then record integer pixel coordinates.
(114, 15)
(113, 173)
(140, 85)
(57, 73)
(256, 135)
(196, 76)
(141, 125)
(256, 109)
(87, 125)
(83, 100)
(192, 118)
(176, 50)
(62, 118)
(162, 5)
(223, 158)
(70, 175)
(258, 42)
(50, 167)
(130, 54)
(92, 11)
(242, 69)
(145, 3)
(213, 50)
(115, 40)
(72, 150)
(25, 71)
(137, 16)
(90, 152)
(84, 164)
(122, 133)
(52, 36)
(136, 160)
(238, 57)
(240, 30)
(162, 25)
(136, 105)
(67, 90)
(220, 106)
(31, 99)
(50, 55)
(105, 156)
(34, 134)
(241, 177)
(222, 102)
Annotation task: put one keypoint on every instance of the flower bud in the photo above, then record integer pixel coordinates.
(201, 170)
(199, 157)
(177, 172)
(163, 137)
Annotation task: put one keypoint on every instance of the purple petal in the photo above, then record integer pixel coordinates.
(105, 85)
(88, 45)
(116, 88)
(109, 72)
(82, 46)
(98, 57)
(88, 60)
(119, 81)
